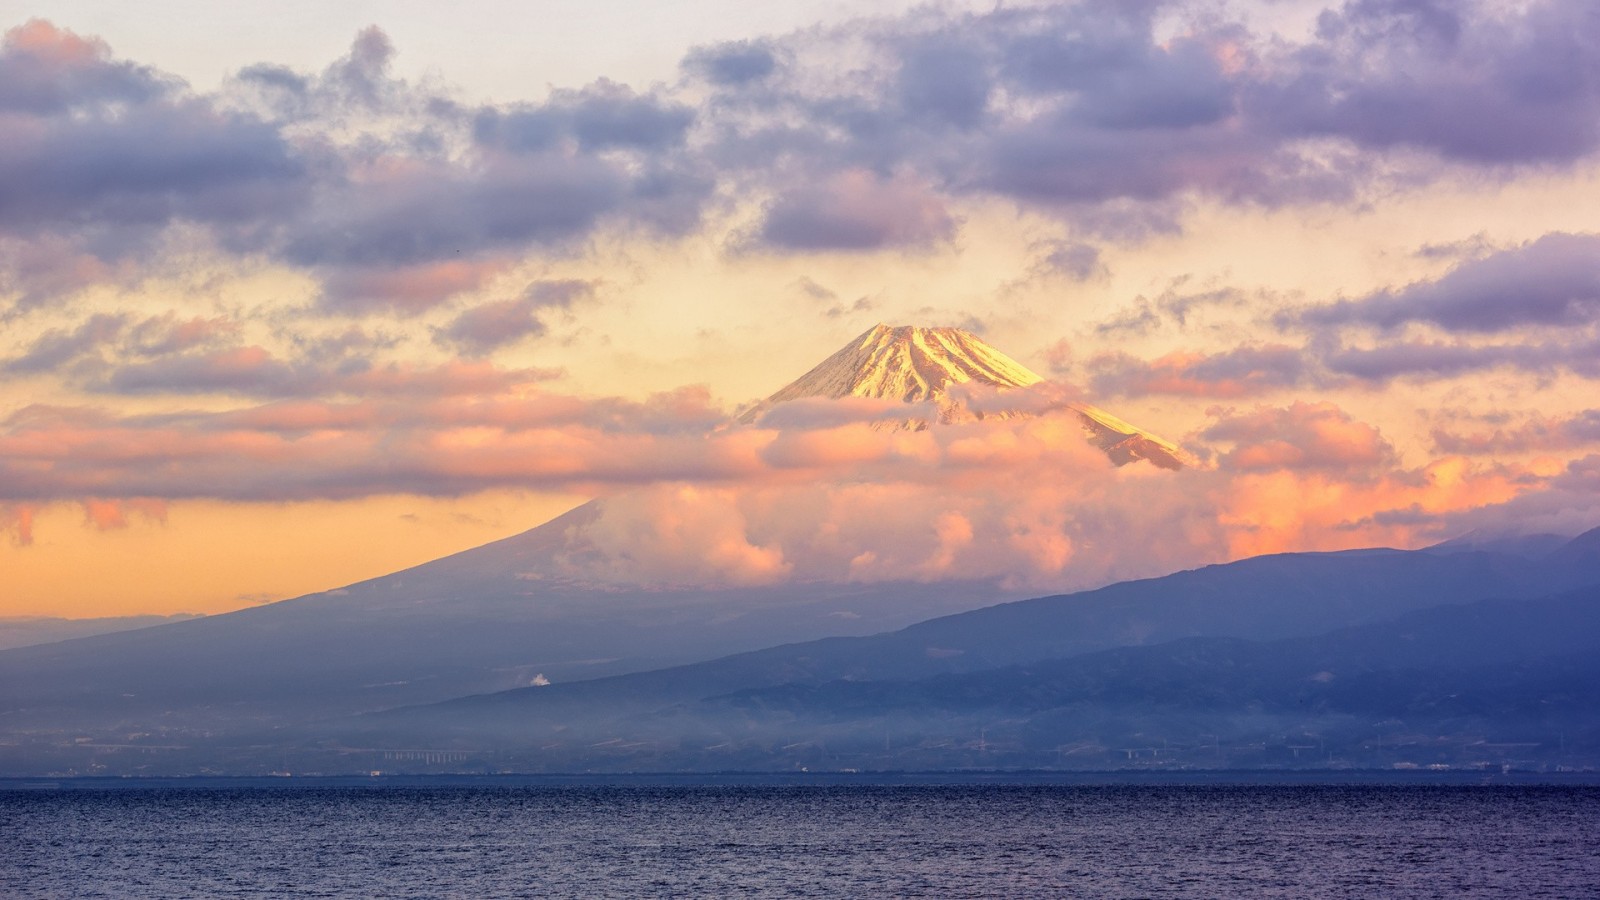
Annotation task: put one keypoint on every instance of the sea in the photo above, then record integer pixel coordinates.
(486, 839)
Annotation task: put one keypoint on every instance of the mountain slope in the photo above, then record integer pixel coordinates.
(1439, 686)
(490, 618)
(594, 723)
(1264, 598)
(27, 631)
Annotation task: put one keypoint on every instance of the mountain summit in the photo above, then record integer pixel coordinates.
(909, 364)
(913, 364)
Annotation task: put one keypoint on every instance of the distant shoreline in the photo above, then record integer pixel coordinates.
(1221, 778)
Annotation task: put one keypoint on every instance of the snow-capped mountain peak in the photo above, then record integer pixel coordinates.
(908, 363)
(914, 364)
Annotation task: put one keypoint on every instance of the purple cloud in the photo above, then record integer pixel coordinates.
(1241, 372)
(1537, 434)
(56, 348)
(733, 63)
(1553, 281)
(857, 211)
(490, 326)
(110, 154)
(397, 198)
(46, 71)
(1074, 260)
(1474, 82)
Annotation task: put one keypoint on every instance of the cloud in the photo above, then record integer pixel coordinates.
(94, 157)
(47, 70)
(732, 63)
(1478, 82)
(17, 519)
(395, 200)
(56, 348)
(944, 80)
(105, 340)
(688, 500)
(1074, 261)
(1093, 113)
(1537, 434)
(489, 326)
(103, 159)
(1300, 437)
(1552, 281)
(166, 334)
(1437, 359)
(254, 371)
(605, 115)
(110, 515)
(866, 137)
(1241, 372)
(856, 211)
(1564, 502)
(1020, 503)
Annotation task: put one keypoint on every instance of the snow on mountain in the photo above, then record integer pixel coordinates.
(925, 365)
(910, 364)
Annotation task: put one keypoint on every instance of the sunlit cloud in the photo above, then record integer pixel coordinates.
(330, 283)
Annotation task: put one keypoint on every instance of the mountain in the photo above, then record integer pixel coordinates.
(508, 644)
(621, 721)
(498, 616)
(504, 615)
(1263, 598)
(1461, 685)
(908, 364)
(918, 365)
(25, 631)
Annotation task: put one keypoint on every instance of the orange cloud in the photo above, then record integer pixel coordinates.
(1025, 500)
(106, 515)
(18, 519)
(1299, 436)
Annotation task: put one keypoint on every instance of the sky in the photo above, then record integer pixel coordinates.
(292, 296)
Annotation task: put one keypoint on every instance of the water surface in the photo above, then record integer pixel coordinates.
(945, 841)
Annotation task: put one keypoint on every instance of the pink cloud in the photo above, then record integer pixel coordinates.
(1299, 437)
(17, 518)
(107, 515)
(1026, 500)
(62, 49)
